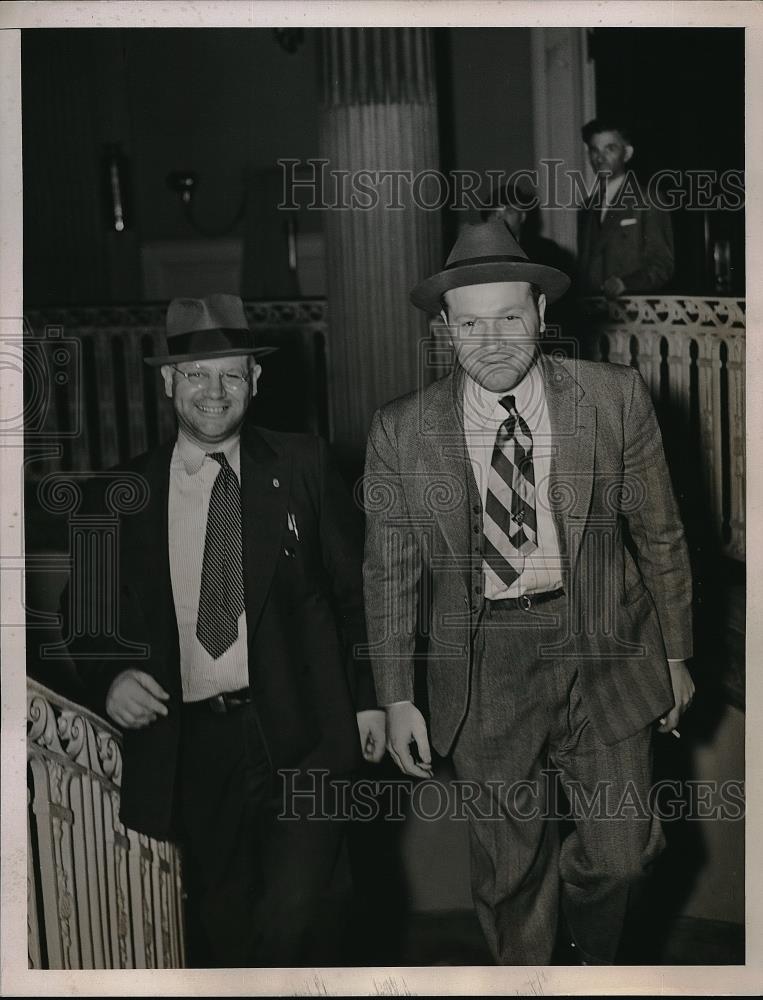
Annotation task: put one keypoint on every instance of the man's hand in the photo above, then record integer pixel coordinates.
(135, 699)
(683, 693)
(371, 727)
(405, 726)
(613, 287)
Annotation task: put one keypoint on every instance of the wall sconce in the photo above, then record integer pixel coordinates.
(184, 183)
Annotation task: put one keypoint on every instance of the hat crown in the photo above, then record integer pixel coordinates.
(215, 312)
(486, 240)
(485, 253)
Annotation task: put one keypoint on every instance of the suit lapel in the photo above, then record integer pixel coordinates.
(265, 484)
(264, 507)
(573, 433)
(149, 538)
(444, 452)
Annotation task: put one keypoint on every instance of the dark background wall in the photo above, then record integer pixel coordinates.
(224, 103)
(219, 102)
(490, 103)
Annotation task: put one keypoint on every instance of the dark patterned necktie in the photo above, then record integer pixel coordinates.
(221, 597)
(509, 524)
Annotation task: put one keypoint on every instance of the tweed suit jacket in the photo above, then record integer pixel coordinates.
(634, 243)
(625, 562)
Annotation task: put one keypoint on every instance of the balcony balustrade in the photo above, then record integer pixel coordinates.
(99, 896)
(691, 353)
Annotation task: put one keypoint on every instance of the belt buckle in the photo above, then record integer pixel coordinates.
(525, 602)
(218, 704)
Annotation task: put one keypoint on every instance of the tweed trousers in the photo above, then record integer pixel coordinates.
(526, 733)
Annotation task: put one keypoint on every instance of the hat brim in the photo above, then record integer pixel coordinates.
(228, 352)
(428, 294)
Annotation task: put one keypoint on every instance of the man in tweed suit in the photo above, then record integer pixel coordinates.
(520, 515)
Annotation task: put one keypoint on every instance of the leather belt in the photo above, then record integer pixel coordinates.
(525, 601)
(224, 702)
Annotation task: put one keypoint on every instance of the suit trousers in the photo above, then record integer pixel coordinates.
(525, 733)
(260, 888)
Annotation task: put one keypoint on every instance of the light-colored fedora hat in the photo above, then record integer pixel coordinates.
(483, 253)
(213, 327)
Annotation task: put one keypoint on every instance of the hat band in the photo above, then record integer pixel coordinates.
(499, 258)
(218, 339)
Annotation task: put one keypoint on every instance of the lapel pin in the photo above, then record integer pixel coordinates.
(276, 483)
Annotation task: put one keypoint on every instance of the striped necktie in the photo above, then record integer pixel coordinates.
(509, 524)
(221, 597)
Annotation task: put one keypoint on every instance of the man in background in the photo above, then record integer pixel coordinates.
(625, 244)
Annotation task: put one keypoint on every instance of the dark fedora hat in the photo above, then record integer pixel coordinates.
(213, 327)
(483, 253)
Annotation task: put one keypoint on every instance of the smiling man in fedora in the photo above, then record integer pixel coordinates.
(241, 577)
(520, 516)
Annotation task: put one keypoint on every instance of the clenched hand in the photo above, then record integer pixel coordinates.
(371, 729)
(135, 699)
(406, 726)
(683, 694)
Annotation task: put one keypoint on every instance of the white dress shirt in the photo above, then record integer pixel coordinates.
(613, 185)
(192, 475)
(483, 415)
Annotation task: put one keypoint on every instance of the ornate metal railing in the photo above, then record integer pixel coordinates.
(691, 352)
(100, 896)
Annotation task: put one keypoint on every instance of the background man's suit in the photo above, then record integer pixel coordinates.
(633, 243)
(611, 497)
(298, 586)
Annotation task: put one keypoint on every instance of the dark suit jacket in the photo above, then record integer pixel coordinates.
(634, 243)
(304, 618)
(627, 571)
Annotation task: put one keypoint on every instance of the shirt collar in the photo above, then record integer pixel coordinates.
(613, 186)
(192, 456)
(482, 407)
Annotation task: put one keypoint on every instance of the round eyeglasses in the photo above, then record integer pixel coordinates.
(202, 378)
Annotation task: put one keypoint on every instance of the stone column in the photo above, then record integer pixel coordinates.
(563, 101)
(379, 113)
